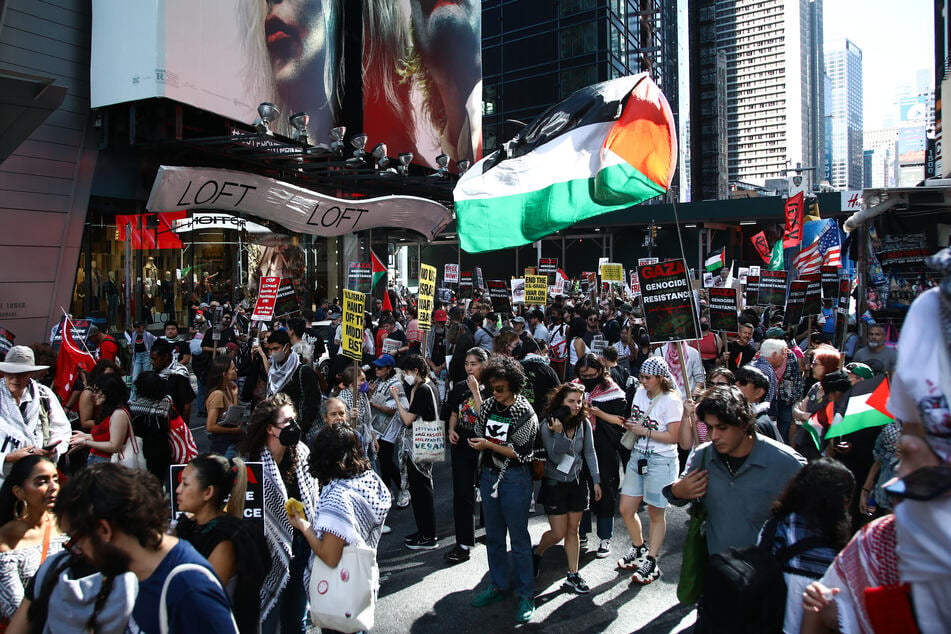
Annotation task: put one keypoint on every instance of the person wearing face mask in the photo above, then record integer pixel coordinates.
(877, 350)
(423, 405)
(286, 374)
(607, 406)
(274, 439)
(359, 416)
(710, 345)
(436, 344)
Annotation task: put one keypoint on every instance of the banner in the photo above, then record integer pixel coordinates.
(267, 298)
(451, 274)
(293, 207)
(813, 294)
(465, 285)
(500, 296)
(667, 297)
(518, 290)
(635, 284)
(547, 266)
(752, 290)
(795, 303)
(286, 302)
(723, 310)
(761, 244)
(792, 235)
(612, 272)
(830, 282)
(351, 344)
(772, 288)
(536, 289)
(427, 293)
(359, 277)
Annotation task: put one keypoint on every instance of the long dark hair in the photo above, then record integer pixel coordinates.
(820, 494)
(557, 398)
(116, 393)
(217, 373)
(261, 418)
(19, 473)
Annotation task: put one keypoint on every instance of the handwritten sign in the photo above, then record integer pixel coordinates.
(352, 331)
(427, 294)
(451, 274)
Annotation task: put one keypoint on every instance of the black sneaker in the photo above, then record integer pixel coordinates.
(576, 584)
(457, 555)
(422, 543)
(536, 560)
(646, 572)
(412, 537)
(583, 541)
(634, 557)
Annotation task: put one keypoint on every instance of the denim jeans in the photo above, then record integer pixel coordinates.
(508, 513)
(140, 363)
(290, 611)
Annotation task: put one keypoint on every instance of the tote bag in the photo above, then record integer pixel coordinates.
(344, 598)
(429, 437)
(130, 455)
(180, 439)
(693, 570)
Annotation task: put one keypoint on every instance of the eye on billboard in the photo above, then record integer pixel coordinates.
(225, 57)
(422, 78)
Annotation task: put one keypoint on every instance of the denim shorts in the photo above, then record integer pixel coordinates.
(661, 471)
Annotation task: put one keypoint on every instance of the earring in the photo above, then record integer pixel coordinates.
(19, 511)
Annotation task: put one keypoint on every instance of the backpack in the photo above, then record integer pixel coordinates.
(744, 591)
(124, 355)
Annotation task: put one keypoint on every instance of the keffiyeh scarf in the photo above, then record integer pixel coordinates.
(281, 373)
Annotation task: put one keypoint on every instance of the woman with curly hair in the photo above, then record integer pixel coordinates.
(274, 439)
(109, 434)
(505, 430)
(569, 445)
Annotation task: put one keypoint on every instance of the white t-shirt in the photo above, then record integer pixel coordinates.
(665, 408)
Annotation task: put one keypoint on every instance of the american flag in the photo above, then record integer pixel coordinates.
(809, 259)
(829, 245)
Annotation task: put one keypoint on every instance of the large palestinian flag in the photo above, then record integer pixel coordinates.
(604, 148)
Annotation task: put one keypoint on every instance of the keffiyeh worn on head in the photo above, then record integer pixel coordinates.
(656, 366)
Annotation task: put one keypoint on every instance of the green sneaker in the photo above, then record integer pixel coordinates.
(487, 597)
(526, 609)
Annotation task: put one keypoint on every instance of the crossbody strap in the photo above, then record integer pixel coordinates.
(163, 606)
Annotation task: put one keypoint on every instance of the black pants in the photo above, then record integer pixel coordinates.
(465, 461)
(424, 505)
(389, 471)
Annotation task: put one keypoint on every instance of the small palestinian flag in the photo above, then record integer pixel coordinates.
(864, 410)
(820, 422)
(605, 148)
(377, 268)
(715, 261)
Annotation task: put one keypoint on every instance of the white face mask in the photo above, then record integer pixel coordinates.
(410, 379)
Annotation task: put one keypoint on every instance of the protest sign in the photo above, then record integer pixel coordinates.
(390, 346)
(667, 297)
(352, 332)
(267, 298)
(360, 276)
(286, 302)
(427, 293)
(451, 274)
(795, 302)
(465, 285)
(723, 309)
(635, 284)
(830, 282)
(536, 289)
(478, 280)
(547, 266)
(772, 288)
(518, 290)
(813, 294)
(253, 513)
(643, 261)
(752, 290)
(500, 296)
(612, 272)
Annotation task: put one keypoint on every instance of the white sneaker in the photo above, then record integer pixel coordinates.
(604, 549)
(402, 500)
(387, 530)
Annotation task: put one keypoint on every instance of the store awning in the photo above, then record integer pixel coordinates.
(25, 102)
(292, 207)
(933, 197)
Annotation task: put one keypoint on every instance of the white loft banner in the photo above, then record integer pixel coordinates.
(292, 207)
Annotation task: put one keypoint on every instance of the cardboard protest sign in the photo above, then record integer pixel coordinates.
(667, 297)
(635, 284)
(723, 310)
(351, 344)
(390, 346)
(772, 288)
(547, 266)
(612, 272)
(451, 274)
(427, 293)
(478, 280)
(465, 285)
(360, 276)
(518, 290)
(286, 302)
(813, 294)
(752, 290)
(830, 282)
(795, 302)
(536, 289)
(267, 297)
(500, 296)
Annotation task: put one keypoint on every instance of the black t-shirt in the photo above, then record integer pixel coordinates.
(738, 356)
(180, 389)
(459, 401)
(589, 336)
(423, 403)
(138, 343)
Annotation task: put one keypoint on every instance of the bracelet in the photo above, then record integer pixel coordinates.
(867, 490)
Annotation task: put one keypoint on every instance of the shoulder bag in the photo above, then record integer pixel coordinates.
(693, 568)
(429, 437)
(180, 439)
(629, 439)
(344, 598)
(130, 455)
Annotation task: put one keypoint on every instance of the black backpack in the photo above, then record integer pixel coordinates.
(744, 591)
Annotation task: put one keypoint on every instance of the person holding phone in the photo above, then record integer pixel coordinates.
(222, 388)
(655, 420)
(569, 446)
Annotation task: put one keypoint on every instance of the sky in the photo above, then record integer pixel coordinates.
(896, 38)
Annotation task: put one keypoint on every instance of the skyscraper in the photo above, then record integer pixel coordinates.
(844, 68)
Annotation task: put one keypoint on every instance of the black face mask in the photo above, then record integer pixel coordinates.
(290, 435)
(590, 384)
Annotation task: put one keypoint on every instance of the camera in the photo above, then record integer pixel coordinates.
(642, 466)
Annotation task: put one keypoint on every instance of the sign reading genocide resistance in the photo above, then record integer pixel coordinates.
(267, 297)
(830, 282)
(253, 495)
(359, 277)
(795, 302)
(752, 290)
(668, 301)
(547, 266)
(427, 292)
(286, 302)
(451, 274)
(813, 294)
(352, 331)
(723, 307)
(465, 285)
(536, 289)
(772, 288)
(500, 295)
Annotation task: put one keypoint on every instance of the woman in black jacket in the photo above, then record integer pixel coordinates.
(288, 373)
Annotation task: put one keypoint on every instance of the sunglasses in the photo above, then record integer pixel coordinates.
(71, 545)
(499, 389)
(287, 423)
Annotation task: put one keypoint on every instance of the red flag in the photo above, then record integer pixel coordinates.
(68, 362)
(792, 236)
(387, 304)
(762, 246)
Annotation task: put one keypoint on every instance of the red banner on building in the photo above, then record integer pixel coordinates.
(792, 236)
(150, 231)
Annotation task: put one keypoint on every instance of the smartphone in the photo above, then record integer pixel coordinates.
(562, 413)
(51, 445)
(926, 483)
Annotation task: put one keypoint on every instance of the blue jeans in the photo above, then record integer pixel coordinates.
(509, 513)
(290, 611)
(140, 363)
(605, 525)
(784, 420)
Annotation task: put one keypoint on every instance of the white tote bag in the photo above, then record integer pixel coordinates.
(429, 438)
(130, 455)
(344, 598)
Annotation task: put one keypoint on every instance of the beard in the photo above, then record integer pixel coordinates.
(109, 559)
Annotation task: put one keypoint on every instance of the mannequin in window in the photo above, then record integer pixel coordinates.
(168, 295)
(111, 290)
(95, 285)
(150, 271)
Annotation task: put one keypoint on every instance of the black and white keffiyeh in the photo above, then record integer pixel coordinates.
(354, 509)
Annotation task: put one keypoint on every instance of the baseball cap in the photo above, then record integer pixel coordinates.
(385, 361)
(860, 369)
(775, 333)
(440, 315)
(335, 315)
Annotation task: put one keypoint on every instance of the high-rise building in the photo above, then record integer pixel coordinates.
(881, 151)
(844, 68)
(774, 87)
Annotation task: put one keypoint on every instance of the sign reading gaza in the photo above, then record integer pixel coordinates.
(295, 208)
(668, 301)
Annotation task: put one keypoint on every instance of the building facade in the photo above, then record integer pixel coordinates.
(844, 68)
